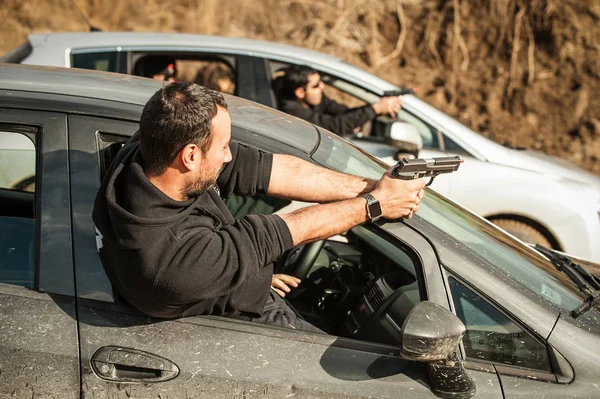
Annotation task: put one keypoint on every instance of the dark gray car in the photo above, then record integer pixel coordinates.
(64, 333)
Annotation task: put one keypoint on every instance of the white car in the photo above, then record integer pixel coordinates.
(536, 197)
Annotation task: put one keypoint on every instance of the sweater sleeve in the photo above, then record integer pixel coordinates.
(332, 107)
(248, 172)
(211, 263)
(341, 124)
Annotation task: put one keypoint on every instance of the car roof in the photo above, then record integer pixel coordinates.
(55, 48)
(134, 90)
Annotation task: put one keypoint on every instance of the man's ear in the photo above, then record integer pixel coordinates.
(300, 93)
(189, 156)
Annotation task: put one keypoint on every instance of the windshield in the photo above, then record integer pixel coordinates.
(469, 232)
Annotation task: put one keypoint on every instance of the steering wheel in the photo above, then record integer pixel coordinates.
(300, 259)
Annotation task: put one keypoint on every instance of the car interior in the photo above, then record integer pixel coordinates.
(357, 285)
(214, 72)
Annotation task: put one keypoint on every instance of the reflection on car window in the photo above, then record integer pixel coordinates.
(492, 336)
(17, 162)
(108, 61)
(17, 207)
(335, 153)
(428, 134)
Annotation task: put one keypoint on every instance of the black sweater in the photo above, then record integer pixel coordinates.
(330, 115)
(172, 258)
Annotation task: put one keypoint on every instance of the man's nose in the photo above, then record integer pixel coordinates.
(228, 156)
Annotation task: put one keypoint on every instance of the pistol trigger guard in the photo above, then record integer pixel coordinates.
(430, 181)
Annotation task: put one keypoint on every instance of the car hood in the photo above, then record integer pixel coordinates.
(558, 168)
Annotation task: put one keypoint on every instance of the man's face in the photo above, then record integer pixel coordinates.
(313, 92)
(211, 163)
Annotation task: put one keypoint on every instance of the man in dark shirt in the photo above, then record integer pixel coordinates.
(301, 94)
(170, 246)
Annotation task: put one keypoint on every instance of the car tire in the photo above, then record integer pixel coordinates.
(523, 231)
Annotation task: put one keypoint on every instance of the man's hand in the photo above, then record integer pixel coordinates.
(280, 283)
(398, 198)
(388, 105)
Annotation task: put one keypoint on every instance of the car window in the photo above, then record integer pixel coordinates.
(428, 134)
(352, 96)
(17, 208)
(108, 61)
(354, 279)
(335, 153)
(451, 146)
(214, 74)
(492, 336)
(215, 71)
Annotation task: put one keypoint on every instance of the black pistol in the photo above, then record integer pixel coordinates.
(400, 92)
(411, 169)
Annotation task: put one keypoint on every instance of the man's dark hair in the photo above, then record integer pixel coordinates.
(294, 76)
(175, 116)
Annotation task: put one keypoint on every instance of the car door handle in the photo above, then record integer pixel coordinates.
(118, 364)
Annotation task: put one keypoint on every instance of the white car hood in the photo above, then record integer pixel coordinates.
(558, 168)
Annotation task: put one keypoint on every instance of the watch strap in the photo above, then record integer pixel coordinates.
(373, 207)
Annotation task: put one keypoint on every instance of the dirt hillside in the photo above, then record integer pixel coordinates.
(522, 72)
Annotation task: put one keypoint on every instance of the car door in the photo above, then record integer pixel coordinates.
(205, 356)
(38, 328)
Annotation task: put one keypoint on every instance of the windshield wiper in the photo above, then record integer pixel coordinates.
(587, 283)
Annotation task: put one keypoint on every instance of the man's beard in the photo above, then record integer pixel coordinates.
(200, 186)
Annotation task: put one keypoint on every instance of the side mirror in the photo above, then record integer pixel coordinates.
(405, 137)
(431, 334)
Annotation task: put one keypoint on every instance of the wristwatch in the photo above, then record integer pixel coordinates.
(373, 207)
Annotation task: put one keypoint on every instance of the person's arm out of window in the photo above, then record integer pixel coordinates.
(296, 179)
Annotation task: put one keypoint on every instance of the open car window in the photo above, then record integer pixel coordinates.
(17, 205)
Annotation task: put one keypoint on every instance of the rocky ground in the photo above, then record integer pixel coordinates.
(522, 72)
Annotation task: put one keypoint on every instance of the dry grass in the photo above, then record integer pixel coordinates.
(523, 72)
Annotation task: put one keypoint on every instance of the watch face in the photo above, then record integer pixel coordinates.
(375, 210)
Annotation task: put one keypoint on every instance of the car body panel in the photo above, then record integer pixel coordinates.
(38, 344)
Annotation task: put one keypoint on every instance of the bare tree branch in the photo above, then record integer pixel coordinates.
(401, 36)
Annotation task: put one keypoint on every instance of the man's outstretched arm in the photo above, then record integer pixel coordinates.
(296, 179)
(397, 198)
